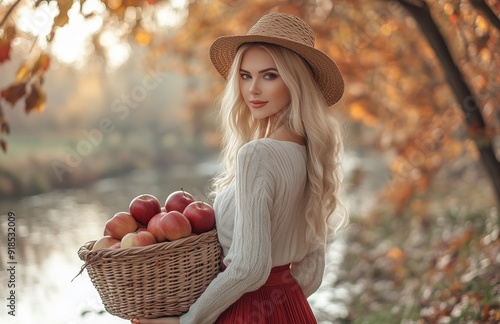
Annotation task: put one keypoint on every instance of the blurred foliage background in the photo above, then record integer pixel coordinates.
(93, 89)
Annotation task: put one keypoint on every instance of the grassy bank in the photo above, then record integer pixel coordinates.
(428, 265)
(35, 165)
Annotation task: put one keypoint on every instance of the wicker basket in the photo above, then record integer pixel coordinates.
(162, 279)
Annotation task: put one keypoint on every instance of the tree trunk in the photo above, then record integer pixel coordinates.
(475, 123)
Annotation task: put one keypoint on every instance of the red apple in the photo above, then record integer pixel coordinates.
(174, 225)
(154, 227)
(104, 242)
(178, 200)
(120, 224)
(141, 238)
(115, 246)
(201, 216)
(144, 207)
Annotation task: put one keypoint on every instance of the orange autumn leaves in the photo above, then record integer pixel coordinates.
(449, 276)
(5, 44)
(28, 85)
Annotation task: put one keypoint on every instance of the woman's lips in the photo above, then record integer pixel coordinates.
(257, 103)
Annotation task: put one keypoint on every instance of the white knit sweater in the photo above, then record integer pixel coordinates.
(260, 225)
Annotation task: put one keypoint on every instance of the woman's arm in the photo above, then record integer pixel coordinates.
(309, 271)
(249, 258)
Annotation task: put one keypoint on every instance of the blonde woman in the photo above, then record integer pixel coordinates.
(281, 176)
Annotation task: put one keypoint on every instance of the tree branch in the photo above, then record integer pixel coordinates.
(483, 7)
(463, 94)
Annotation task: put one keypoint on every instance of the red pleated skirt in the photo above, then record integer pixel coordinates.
(279, 301)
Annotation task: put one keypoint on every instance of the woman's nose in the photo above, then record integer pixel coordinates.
(254, 87)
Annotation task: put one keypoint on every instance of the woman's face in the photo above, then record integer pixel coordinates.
(261, 86)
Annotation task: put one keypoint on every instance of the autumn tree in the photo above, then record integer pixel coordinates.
(478, 131)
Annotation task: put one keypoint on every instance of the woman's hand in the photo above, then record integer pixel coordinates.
(162, 320)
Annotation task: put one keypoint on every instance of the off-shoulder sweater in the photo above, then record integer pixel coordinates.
(260, 224)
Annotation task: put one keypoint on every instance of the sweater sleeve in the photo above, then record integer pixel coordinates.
(249, 258)
(309, 271)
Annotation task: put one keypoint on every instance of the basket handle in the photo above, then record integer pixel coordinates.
(85, 253)
(89, 261)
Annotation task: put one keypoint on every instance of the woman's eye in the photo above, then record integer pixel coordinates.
(270, 76)
(245, 76)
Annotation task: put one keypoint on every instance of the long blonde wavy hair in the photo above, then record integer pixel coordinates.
(308, 116)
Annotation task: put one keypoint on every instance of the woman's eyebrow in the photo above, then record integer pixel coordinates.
(261, 71)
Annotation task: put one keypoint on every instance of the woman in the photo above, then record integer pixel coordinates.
(281, 176)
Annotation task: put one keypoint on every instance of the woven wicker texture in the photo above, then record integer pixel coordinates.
(158, 280)
(288, 31)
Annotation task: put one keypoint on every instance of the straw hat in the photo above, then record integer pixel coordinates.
(288, 31)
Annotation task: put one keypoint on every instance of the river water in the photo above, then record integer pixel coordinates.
(50, 228)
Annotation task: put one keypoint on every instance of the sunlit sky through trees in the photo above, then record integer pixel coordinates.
(72, 43)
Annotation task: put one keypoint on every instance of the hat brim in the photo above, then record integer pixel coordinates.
(325, 71)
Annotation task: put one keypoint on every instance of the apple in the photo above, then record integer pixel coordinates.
(178, 200)
(174, 225)
(154, 227)
(201, 216)
(144, 207)
(120, 224)
(116, 246)
(104, 242)
(141, 238)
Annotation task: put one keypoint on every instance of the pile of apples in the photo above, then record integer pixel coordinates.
(147, 222)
